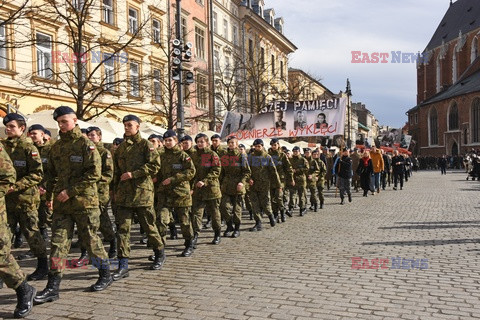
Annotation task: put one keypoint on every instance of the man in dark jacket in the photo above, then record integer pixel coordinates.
(387, 162)
(343, 169)
(398, 163)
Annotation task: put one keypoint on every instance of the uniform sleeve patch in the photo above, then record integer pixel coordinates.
(151, 148)
(188, 159)
(108, 156)
(34, 154)
(91, 148)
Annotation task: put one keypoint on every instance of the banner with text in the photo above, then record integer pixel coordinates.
(283, 119)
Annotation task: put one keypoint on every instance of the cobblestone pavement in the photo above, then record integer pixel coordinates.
(302, 269)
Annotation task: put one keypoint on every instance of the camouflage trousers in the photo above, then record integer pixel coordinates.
(261, 203)
(277, 200)
(231, 208)
(320, 188)
(44, 216)
(301, 193)
(28, 221)
(211, 206)
(164, 217)
(64, 220)
(10, 271)
(123, 220)
(313, 194)
(106, 226)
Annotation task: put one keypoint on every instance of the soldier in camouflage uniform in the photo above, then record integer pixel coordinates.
(329, 164)
(174, 176)
(300, 170)
(10, 271)
(103, 186)
(320, 177)
(37, 133)
(135, 163)
(312, 179)
(264, 177)
(233, 178)
(74, 168)
(206, 187)
(23, 197)
(285, 172)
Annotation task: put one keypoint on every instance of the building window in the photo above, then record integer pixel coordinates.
(216, 60)
(134, 80)
(273, 65)
(454, 65)
(200, 43)
(476, 120)
(214, 22)
(108, 12)
(202, 91)
(3, 46)
(132, 20)
(438, 75)
(235, 35)
(250, 50)
(183, 25)
(78, 4)
(44, 56)
(109, 70)
(262, 58)
(157, 85)
(453, 117)
(282, 74)
(225, 29)
(433, 126)
(416, 118)
(199, 2)
(228, 67)
(474, 50)
(156, 31)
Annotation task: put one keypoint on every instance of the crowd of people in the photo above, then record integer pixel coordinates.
(159, 182)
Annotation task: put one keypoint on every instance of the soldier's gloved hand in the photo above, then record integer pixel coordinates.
(126, 176)
(63, 196)
(239, 186)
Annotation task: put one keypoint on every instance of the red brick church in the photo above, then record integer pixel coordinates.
(446, 119)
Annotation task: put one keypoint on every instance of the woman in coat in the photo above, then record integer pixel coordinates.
(365, 171)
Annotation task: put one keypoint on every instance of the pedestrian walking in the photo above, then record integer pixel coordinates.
(344, 172)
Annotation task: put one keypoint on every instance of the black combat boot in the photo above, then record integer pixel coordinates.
(321, 204)
(188, 251)
(50, 293)
(289, 212)
(18, 241)
(311, 207)
(276, 217)
(194, 240)
(1, 284)
(272, 220)
(229, 229)
(112, 251)
(349, 197)
(27, 255)
(216, 237)
(104, 278)
(341, 200)
(44, 233)
(250, 212)
(173, 231)
(236, 232)
(122, 271)
(315, 207)
(257, 226)
(303, 212)
(282, 215)
(159, 259)
(41, 272)
(25, 295)
(208, 224)
(83, 259)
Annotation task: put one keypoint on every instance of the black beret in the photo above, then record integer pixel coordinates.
(201, 135)
(186, 138)
(47, 132)
(36, 127)
(274, 140)
(241, 146)
(61, 111)
(215, 136)
(153, 136)
(257, 142)
(117, 141)
(345, 149)
(325, 148)
(169, 133)
(315, 151)
(90, 129)
(296, 148)
(131, 117)
(284, 148)
(230, 138)
(84, 130)
(307, 150)
(12, 116)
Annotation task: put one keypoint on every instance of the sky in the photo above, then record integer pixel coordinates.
(326, 32)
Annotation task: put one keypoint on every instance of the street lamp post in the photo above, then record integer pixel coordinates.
(180, 111)
(348, 91)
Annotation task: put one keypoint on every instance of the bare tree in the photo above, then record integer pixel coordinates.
(86, 64)
(301, 85)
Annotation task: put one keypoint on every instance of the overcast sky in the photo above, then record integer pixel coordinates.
(326, 32)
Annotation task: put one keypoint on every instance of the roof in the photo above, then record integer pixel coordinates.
(462, 15)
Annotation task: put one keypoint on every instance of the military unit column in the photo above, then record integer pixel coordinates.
(157, 182)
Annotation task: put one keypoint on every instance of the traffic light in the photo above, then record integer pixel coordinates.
(177, 52)
(175, 74)
(188, 51)
(189, 77)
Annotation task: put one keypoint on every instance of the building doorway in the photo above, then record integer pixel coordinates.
(454, 149)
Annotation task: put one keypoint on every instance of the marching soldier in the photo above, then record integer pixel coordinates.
(329, 176)
(219, 150)
(206, 187)
(321, 176)
(23, 196)
(173, 192)
(74, 168)
(312, 179)
(263, 178)
(300, 169)
(234, 177)
(285, 172)
(10, 271)
(135, 163)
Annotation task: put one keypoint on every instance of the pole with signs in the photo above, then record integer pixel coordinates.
(178, 75)
(349, 114)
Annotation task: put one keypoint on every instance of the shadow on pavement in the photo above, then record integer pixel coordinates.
(422, 242)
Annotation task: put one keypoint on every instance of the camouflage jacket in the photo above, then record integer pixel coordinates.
(264, 173)
(322, 171)
(208, 169)
(300, 170)
(28, 165)
(74, 165)
(235, 169)
(103, 184)
(44, 150)
(284, 168)
(313, 170)
(138, 156)
(7, 178)
(177, 166)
